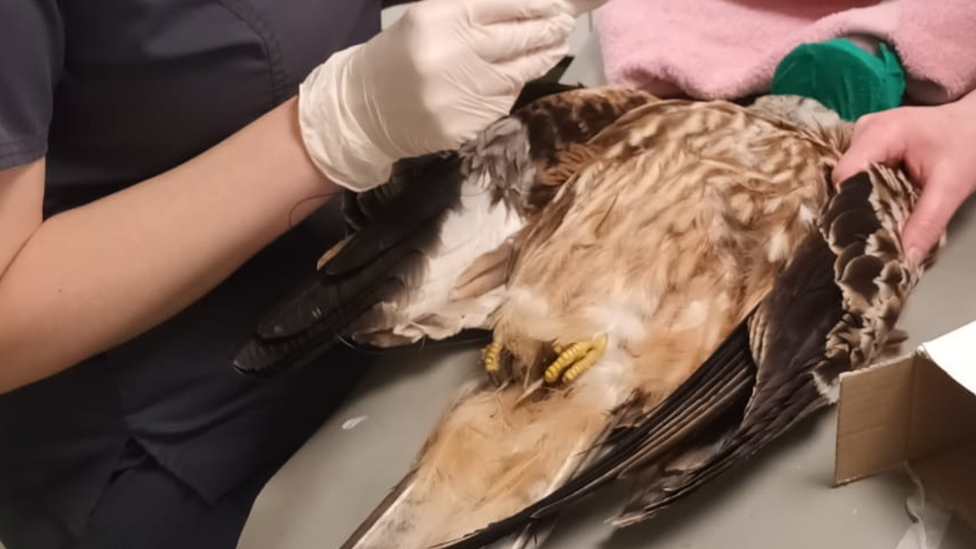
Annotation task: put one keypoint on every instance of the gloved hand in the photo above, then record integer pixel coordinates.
(436, 77)
(580, 7)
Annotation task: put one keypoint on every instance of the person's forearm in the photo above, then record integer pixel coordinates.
(93, 277)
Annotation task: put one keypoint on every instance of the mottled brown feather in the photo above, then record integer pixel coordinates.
(667, 230)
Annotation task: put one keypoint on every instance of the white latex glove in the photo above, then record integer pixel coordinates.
(435, 78)
(579, 7)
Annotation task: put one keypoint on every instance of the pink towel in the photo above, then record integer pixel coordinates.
(730, 48)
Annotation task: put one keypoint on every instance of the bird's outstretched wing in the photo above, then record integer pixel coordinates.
(429, 250)
(830, 311)
(366, 267)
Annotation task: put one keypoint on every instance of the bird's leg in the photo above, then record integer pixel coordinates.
(491, 355)
(575, 359)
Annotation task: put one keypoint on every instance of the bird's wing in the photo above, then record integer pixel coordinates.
(366, 267)
(430, 250)
(830, 311)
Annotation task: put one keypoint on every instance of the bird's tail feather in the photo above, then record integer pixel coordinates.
(487, 459)
(719, 387)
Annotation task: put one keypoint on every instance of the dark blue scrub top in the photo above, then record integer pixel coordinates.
(113, 92)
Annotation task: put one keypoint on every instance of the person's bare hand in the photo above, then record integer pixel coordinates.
(937, 146)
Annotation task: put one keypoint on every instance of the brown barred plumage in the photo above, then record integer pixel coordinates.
(698, 246)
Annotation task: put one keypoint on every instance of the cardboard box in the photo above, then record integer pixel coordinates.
(919, 409)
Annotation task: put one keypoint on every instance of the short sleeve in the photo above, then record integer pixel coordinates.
(31, 57)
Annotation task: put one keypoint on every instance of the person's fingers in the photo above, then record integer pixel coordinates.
(876, 139)
(938, 202)
(514, 41)
(489, 12)
(580, 7)
(512, 75)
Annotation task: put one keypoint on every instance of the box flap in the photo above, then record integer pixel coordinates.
(943, 412)
(955, 352)
(921, 409)
(873, 418)
(949, 474)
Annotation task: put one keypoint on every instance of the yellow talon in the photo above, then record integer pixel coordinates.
(566, 358)
(575, 359)
(491, 355)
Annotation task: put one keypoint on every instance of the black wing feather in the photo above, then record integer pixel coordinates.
(390, 225)
(793, 324)
(305, 324)
(430, 186)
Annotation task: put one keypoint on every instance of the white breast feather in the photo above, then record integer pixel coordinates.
(475, 228)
